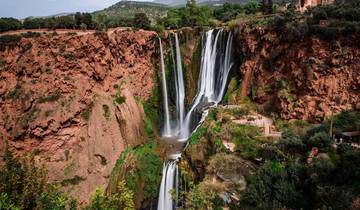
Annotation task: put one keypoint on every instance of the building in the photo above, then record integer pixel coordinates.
(304, 4)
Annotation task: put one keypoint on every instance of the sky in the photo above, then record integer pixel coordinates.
(25, 8)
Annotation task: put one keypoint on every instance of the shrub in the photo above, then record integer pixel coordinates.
(244, 137)
(100, 201)
(320, 140)
(87, 111)
(50, 98)
(291, 142)
(106, 110)
(23, 185)
(141, 21)
(9, 40)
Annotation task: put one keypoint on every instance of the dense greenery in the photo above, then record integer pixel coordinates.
(287, 177)
(23, 185)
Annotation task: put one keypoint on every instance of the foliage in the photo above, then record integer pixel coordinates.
(244, 137)
(275, 186)
(144, 171)
(197, 135)
(190, 15)
(23, 185)
(291, 143)
(141, 21)
(7, 24)
(320, 140)
(100, 201)
(202, 196)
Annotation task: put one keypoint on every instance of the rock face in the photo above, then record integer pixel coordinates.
(300, 77)
(57, 101)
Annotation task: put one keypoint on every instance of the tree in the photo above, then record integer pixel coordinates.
(7, 24)
(141, 21)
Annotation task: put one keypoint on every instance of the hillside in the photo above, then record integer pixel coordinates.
(127, 9)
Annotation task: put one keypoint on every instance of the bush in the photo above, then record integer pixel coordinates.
(291, 143)
(141, 21)
(7, 24)
(320, 140)
(244, 137)
(9, 40)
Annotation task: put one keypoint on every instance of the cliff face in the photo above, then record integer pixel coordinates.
(57, 99)
(299, 77)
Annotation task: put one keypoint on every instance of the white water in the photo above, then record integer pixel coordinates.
(216, 63)
(180, 85)
(167, 128)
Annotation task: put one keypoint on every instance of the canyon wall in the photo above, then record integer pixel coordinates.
(298, 75)
(74, 102)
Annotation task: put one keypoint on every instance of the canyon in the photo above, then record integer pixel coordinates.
(76, 101)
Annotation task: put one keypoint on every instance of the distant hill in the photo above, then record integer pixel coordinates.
(128, 9)
(201, 2)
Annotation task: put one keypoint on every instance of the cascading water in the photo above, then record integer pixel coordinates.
(216, 63)
(167, 128)
(180, 85)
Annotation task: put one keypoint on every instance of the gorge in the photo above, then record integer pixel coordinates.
(261, 112)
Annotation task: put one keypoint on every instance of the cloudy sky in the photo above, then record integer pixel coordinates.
(26, 8)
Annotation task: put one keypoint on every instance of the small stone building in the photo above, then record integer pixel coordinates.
(304, 4)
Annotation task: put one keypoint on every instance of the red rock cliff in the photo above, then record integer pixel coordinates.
(57, 101)
(299, 77)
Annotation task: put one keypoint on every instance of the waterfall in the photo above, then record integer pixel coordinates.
(169, 182)
(180, 92)
(166, 129)
(216, 63)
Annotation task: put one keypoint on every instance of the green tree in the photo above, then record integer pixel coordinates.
(141, 21)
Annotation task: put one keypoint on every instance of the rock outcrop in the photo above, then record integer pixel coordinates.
(305, 77)
(57, 99)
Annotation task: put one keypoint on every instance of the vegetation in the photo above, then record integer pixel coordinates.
(287, 177)
(23, 185)
(106, 110)
(139, 168)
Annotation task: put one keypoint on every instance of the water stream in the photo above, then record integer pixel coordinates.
(216, 63)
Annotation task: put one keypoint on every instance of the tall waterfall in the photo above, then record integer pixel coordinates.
(180, 91)
(216, 63)
(166, 129)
